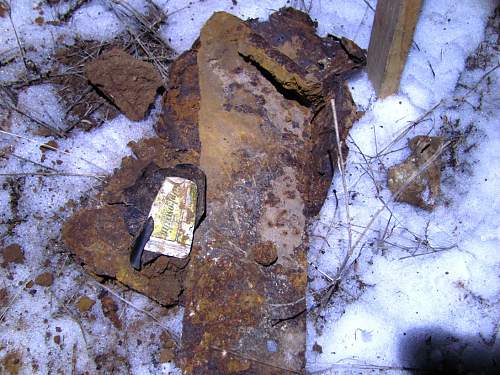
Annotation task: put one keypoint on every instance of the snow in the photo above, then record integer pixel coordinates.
(401, 290)
(415, 274)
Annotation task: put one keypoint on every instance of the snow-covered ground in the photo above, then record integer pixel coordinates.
(414, 274)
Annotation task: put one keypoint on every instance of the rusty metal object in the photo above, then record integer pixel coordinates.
(247, 105)
(101, 237)
(266, 148)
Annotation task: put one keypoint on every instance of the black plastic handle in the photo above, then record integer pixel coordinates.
(140, 243)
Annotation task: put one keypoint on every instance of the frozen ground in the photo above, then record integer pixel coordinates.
(413, 275)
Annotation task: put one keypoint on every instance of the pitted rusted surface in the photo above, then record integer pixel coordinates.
(266, 147)
(249, 104)
(179, 123)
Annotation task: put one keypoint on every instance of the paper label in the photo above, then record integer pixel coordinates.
(173, 212)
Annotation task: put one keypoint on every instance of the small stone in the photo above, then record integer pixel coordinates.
(265, 253)
(57, 339)
(84, 304)
(12, 254)
(39, 20)
(29, 284)
(45, 279)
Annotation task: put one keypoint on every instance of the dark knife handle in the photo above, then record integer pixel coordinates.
(140, 243)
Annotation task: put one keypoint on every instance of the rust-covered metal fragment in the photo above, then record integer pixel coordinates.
(268, 150)
(247, 106)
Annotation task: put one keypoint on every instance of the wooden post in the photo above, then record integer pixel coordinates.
(390, 41)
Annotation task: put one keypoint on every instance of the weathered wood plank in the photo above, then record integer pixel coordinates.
(390, 41)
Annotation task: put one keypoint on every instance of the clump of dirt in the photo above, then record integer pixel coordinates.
(84, 304)
(45, 279)
(12, 254)
(112, 363)
(102, 237)
(265, 253)
(425, 187)
(110, 309)
(128, 83)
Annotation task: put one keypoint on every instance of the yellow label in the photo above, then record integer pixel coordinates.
(173, 212)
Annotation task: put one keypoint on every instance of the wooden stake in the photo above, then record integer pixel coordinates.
(391, 38)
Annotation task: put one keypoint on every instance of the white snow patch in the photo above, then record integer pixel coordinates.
(416, 274)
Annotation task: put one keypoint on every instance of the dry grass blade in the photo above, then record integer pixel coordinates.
(43, 124)
(341, 166)
(47, 174)
(11, 302)
(395, 196)
(173, 335)
(18, 41)
(407, 129)
(40, 144)
(34, 163)
(345, 265)
(144, 29)
(250, 359)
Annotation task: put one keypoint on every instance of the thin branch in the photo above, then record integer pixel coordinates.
(55, 174)
(21, 48)
(247, 358)
(341, 165)
(154, 318)
(39, 144)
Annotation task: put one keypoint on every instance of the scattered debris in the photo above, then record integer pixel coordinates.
(129, 83)
(426, 187)
(45, 279)
(12, 254)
